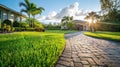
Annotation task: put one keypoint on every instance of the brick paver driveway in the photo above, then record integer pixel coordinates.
(84, 51)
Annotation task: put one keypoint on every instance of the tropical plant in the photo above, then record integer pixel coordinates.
(92, 18)
(16, 24)
(110, 5)
(30, 9)
(67, 21)
(27, 7)
(7, 22)
(36, 11)
(24, 25)
(111, 9)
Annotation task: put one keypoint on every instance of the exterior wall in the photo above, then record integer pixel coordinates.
(4, 15)
(11, 16)
(7, 14)
(81, 26)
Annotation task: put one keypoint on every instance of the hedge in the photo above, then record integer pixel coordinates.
(107, 27)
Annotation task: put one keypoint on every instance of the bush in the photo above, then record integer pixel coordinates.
(40, 29)
(107, 27)
(30, 29)
(16, 24)
(7, 22)
(24, 25)
(17, 28)
(8, 28)
(24, 29)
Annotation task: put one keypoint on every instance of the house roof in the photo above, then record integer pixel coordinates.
(9, 9)
(79, 21)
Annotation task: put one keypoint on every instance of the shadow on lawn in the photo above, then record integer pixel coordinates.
(107, 39)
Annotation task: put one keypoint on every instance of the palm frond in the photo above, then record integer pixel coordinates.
(23, 4)
(27, 3)
(23, 10)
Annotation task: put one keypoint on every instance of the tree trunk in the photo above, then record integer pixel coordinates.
(29, 20)
(33, 20)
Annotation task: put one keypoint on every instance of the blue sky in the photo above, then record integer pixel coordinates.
(56, 6)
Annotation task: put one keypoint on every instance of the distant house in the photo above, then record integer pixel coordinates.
(81, 25)
(12, 15)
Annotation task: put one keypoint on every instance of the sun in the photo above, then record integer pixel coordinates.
(89, 21)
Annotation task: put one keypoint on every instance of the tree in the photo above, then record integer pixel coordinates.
(110, 5)
(111, 8)
(27, 7)
(30, 9)
(36, 11)
(67, 22)
(92, 18)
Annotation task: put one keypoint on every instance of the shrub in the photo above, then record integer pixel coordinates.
(40, 29)
(17, 28)
(24, 25)
(107, 27)
(16, 24)
(30, 29)
(8, 28)
(7, 22)
(13, 29)
(24, 29)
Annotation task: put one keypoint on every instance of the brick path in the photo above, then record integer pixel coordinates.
(84, 51)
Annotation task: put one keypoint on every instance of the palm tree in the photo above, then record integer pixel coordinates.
(36, 11)
(27, 7)
(67, 21)
(92, 16)
(64, 20)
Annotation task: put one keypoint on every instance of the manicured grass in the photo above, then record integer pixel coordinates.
(62, 31)
(105, 35)
(30, 49)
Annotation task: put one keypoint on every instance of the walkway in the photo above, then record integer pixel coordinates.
(84, 51)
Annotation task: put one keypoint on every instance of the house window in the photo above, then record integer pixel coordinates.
(17, 19)
(4, 16)
(11, 17)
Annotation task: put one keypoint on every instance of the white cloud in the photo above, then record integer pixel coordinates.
(71, 10)
(51, 15)
(41, 17)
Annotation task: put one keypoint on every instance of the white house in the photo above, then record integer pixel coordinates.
(10, 14)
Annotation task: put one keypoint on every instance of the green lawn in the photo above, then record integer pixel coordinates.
(62, 31)
(30, 49)
(105, 35)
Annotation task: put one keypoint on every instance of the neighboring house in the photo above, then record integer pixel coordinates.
(12, 15)
(81, 25)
